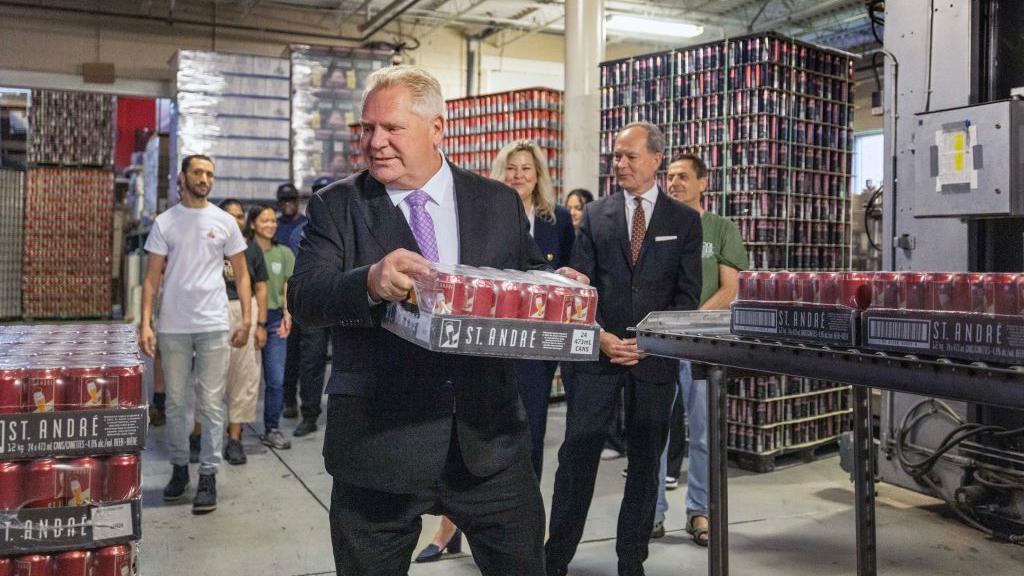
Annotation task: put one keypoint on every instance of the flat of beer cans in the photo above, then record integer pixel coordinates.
(118, 560)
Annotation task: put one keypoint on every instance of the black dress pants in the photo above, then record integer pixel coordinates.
(312, 370)
(533, 382)
(591, 406)
(291, 365)
(375, 533)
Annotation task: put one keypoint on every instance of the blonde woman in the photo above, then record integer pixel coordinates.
(522, 166)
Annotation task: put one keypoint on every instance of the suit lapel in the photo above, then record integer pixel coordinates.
(470, 213)
(386, 222)
(617, 215)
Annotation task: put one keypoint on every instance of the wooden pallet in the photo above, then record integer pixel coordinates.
(769, 461)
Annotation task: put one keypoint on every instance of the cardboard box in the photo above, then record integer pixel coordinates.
(821, 324)
(971, 336)
(72, 433)
(46, 530)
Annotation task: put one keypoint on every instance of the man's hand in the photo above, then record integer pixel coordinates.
(573, 274)
(240, 336)
(147, 341)
(391, 278)
(261, 338)
(285, 328)
(619, 351)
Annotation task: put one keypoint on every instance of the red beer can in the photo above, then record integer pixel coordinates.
(584, 306)
(1001, 294)
(781, 287)
(12, 495)
(123, 386)
(829, 287)
(747, 286)
(856, 290)
(123, 481)
(6, 567)
(44, 486)
(33, 565)
(112, 561)
(560, 304)
(533, 302)
(45, 390)
(806, 287)
(74, 563)
(480, 298)
(12, 390)
(509, 295)
(940, 291)
(969, 293)
(83, 482)
(764, 289)
(913, 290)
(84, 389)
(885, 291)
(451, 294)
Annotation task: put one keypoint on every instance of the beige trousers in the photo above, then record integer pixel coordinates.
(243, 385)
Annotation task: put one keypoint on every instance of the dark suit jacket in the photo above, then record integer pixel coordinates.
(391, 407)
(555, 239)
(666, 276)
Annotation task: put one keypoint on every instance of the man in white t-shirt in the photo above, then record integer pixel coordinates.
(193, 238)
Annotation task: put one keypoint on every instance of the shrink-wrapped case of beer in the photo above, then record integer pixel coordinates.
(501, 313)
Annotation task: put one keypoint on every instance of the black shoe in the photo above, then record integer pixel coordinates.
(290, 411)
(206, 495)
(157, 416)
(176, 488)
(234, 453)
(557, 571)
(193, 448)
(432, 553)
(306, 427)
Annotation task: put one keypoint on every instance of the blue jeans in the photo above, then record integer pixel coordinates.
(274, 355)
(695, 399)
(211, 351)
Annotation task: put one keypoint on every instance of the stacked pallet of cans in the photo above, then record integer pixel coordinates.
(70, 475)
(479, 126)
(327, 87)
(69, 192)
(67, 243)
(12, 198)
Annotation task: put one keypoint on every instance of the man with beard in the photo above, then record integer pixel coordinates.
(192, 239)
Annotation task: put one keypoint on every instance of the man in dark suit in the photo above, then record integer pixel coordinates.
(409, 431)
(642, 251)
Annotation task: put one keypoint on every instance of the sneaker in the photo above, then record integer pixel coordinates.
(193, 448)
(610, 454)
(290, 411)
(659, 530)
(625, 472)
(274, 439)
(234, 453)
(671, 482)
(176, 488)
(157, 416)
(306, 427)
(206, 495)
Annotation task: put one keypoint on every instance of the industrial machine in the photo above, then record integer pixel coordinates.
(954, 201)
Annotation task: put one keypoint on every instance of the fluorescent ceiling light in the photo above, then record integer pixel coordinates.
(649, 27)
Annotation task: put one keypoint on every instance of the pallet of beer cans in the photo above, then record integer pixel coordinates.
(72, 426)
(119, 560)
(502, 313)
(12, 234)
(68, 243)
(771, 416)
(479, 126)
(71, 129)
(812, 307)
(965, 316)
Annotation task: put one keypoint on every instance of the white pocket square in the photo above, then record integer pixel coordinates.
(664, 238)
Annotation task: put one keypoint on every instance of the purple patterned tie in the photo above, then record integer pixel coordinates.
(422, 224)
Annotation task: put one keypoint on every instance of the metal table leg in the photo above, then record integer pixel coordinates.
(864, 482)
(718, 537)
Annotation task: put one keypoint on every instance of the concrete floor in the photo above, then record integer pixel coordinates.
(272, 520)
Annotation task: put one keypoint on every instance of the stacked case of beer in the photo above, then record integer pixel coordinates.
(479, 126)
(68, 206)
(235, 109)
(772, 118)
(502, 313)
(327, 87)
(73, 426)
(12, 233)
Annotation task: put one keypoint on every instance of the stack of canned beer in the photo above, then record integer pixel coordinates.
(61, 386)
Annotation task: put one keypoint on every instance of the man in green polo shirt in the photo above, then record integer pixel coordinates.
(722, 257)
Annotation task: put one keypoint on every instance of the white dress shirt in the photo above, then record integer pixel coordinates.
(531, 216)
(649, 198)
(441, 207)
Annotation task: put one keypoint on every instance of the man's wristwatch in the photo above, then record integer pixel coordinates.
(261, 324)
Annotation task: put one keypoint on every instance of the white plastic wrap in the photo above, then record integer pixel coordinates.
(327, 86)
(234, 108)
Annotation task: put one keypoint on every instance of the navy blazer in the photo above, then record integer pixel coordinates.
(667, 274)
(555, 239)
(391, 406)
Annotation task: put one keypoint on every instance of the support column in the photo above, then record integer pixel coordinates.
(584, 50)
